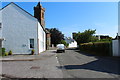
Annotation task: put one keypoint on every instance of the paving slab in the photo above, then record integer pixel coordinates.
(43, 67)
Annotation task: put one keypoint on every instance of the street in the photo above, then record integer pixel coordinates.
(49, 64)
(77, 65)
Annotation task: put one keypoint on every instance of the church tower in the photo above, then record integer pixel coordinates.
(39, 14)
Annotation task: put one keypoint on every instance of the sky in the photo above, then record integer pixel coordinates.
(71, 17)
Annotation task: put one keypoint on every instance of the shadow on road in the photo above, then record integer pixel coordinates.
(98, 65)
(54, 51)
(102, 64)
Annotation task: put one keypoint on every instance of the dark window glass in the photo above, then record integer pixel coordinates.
(31, 43)
(0, 25)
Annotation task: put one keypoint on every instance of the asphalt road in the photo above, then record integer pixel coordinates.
(78, 65)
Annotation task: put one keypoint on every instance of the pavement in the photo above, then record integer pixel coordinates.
(31, 66)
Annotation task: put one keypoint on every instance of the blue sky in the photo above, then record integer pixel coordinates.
(71, 17)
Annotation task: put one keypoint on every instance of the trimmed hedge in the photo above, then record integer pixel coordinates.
(2, 51)
(97, 48)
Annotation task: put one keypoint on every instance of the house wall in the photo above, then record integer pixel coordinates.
(119, 18)
(116, 47)
(72, 44)
(18, 28)
(41, 38)
(1, 25)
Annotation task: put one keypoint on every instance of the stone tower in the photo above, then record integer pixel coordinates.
(39, 14)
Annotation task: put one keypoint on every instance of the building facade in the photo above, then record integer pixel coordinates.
(21, 31)
(71, 42)
(39, 14)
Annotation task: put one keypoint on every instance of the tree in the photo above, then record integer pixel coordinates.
(84, 37)
(64, 42)
(56, 36)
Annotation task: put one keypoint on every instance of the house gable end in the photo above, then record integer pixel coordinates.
(20, 10)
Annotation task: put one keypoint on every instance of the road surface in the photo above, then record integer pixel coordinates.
(78, 65)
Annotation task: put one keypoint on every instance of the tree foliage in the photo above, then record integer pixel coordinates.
(64, 42)
(84, 37)
(56, 36)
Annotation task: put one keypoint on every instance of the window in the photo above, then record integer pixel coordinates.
(0, 25)
(42, 15)
(31, 43)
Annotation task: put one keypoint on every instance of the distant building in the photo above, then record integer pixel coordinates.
(102, 37)
(72, 43)
(73, 35)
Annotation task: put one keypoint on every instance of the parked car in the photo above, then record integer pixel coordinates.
(60, 48)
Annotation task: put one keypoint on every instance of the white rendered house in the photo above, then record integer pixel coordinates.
(21, 31)
(71, 42)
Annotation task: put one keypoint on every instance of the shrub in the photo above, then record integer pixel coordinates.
(32, 52)
(0, 51)
(64, 42)
(97, 48)
(3, 51)
(6, 53)
(10, 52)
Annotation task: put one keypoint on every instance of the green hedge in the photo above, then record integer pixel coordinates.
(2, 51)
(97, 48)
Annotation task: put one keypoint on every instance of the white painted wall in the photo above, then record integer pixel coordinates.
(18, 28)
(0, 22)
(116, 47)
(119, 29)
(44, 41)
(41, 38)
(72, 44)
(119, 18)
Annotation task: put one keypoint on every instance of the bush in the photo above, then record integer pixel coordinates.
(32, 52)
(3, 51)
(0, 51)
(6, 53)
(10, 52)
(64, 42)
(97, 48)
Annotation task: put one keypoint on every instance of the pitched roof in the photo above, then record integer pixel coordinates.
(18, 7)
(23, 10)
